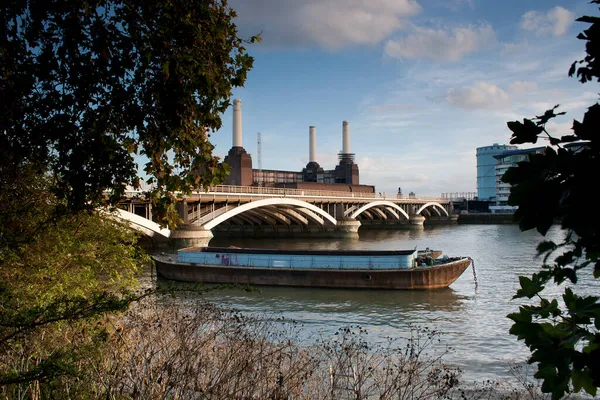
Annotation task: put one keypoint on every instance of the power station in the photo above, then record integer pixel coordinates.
(344, 177)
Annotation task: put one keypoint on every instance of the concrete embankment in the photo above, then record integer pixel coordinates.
(486, 218)
(443, 220)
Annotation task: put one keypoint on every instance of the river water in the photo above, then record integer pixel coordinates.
(472, 318)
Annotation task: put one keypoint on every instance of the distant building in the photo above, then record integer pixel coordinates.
(270, 177)
(511, 158)
(486, 170)
(345, 176)
(505, 161)
(577, 147)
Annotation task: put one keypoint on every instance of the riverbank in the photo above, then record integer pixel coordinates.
(486, 218)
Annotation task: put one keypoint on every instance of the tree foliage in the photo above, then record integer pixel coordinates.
(88, 84)
(562, 334)
(61, 274)
(87, 89)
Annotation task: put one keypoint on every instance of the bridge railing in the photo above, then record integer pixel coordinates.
(261, 190)
(309, 193)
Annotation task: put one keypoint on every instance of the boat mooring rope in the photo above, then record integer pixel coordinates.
(474, 273)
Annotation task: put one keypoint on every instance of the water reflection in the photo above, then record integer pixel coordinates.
(322, 299)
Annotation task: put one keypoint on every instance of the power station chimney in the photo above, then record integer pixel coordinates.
(345, 137)
(237, 123)
(312, 144)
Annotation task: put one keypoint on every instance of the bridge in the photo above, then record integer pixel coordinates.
(253, 210)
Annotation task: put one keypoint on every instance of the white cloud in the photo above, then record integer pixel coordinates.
(522, 87)
(559, 129)
(483, 95)
(555, 22)
(441, 44)
(333, 24)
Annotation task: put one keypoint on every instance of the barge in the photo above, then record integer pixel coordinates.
(357, 269)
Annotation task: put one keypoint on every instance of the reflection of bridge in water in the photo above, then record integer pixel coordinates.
(256, 211)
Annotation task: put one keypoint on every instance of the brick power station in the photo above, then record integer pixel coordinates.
(343, 178)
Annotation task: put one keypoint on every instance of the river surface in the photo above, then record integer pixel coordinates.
(472, 318)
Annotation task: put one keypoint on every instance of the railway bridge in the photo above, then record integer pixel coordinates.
(255, 211)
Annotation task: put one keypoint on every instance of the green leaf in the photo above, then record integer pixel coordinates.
(547, 372)
(592, 346)
(583, 379)
(520, 317)
(546, 246)
(572, 69)
(524, 132)
(548, 115)
(528, 288)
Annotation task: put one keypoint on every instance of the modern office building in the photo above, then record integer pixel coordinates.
(486, 170)
(504, 161)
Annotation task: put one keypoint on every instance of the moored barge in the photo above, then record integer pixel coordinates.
(359, 269)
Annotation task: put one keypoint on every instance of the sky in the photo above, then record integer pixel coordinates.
(423, 83)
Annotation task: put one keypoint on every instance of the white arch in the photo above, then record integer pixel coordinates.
(268, 202)
(276, 214)
(379, 212)
(309, 214)
(349, 210)
(379, 203)
(214, 213)
(262, 217)
(294, 215)
(367, 214)
(392, 211)
(142, 224)
(250, 219)
(435, 204)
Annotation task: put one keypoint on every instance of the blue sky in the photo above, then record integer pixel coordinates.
(423, 83)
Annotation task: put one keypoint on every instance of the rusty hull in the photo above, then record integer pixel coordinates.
(435, 277)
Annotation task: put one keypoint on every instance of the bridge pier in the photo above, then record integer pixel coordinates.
(190, 236)
(416, 219)
(347, 227)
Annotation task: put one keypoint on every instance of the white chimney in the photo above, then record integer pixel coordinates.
(237, 123)
(312, 144)
(345, 137)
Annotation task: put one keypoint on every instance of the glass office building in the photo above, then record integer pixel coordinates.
(486, 170)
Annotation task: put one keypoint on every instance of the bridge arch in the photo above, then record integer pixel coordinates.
(249, 218)
(144, 225)
(289, 214)
(309, 215)
(392, 211)
(268, 202)
(433, 204)
(261, 217)
(379, 203)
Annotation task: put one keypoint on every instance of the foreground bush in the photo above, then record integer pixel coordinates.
(216, 354)
(162, 351)
(58, 293)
